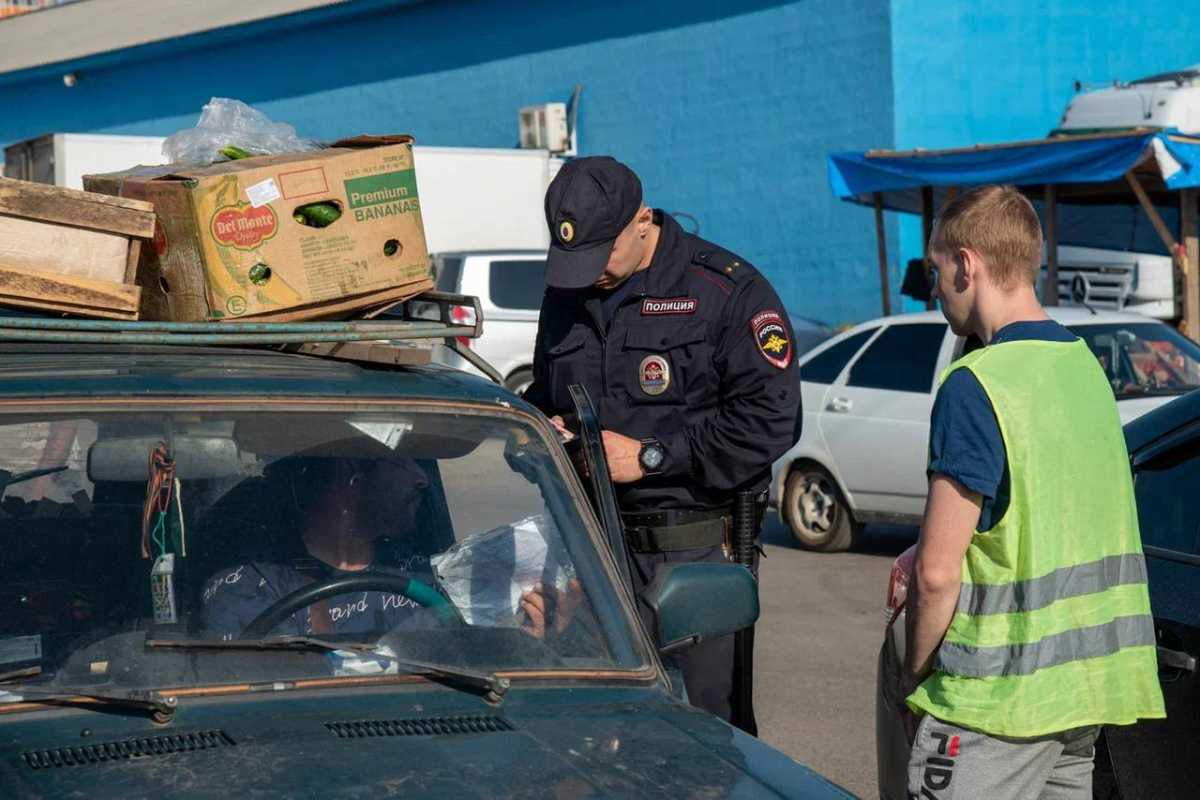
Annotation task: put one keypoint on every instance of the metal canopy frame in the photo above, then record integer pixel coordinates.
(1142, 184)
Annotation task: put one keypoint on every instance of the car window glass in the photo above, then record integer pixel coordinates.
(1143, 358)
(517, 284)
(1168, 508)
(825, 367)
(901, 359)
(446, 272)
(239, 510)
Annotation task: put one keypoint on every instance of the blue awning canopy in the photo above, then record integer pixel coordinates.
(1087, 170)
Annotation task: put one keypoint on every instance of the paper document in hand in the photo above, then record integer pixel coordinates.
(486, 573)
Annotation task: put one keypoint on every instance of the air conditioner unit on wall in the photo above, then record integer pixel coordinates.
(544, 127)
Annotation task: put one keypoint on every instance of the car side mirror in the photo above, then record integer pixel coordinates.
(693, 603)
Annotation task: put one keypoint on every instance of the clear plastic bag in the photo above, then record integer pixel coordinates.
(231, 123)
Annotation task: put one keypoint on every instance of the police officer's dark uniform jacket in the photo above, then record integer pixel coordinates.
(699, 355)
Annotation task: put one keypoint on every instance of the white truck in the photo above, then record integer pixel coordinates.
(1114, 280)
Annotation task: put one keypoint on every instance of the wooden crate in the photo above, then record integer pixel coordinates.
(66, 251)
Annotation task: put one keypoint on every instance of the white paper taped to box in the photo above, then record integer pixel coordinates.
(486, 573)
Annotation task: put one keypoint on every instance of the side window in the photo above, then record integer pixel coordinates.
(446, 272)
(1168, 508)
(901, 359)
(826, 367)
(517, 284)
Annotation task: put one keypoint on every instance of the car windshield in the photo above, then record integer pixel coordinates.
(1143, 358)
(140, 549)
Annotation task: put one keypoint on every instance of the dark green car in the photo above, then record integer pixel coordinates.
(235, 572)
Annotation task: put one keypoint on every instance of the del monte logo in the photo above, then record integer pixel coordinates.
(242, 226)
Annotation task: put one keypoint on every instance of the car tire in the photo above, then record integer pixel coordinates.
(519, 381)
(816, 511)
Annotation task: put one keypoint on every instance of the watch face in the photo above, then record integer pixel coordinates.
(652, 457)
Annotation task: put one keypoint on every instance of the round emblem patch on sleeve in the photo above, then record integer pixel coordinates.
(771, 336)
(654, 375)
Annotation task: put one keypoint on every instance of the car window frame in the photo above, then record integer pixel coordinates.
(834, 342)
(940, 361)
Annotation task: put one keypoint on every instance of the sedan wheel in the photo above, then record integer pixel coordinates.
(519, 381)
(816, 512)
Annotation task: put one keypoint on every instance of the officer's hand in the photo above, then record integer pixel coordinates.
(560, 425)
(623, 463)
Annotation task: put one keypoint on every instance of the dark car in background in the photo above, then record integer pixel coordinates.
(1159, 758)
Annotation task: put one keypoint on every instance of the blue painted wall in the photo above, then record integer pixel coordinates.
(726, 110)
(967, 72)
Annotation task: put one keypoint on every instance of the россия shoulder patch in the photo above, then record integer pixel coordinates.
(771, 336)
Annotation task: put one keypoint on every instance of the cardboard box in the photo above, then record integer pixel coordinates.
(67, 251)
(227, 244)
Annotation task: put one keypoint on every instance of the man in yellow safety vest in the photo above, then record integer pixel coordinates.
(1028, 621)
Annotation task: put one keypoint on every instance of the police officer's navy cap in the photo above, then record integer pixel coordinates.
(588, 204)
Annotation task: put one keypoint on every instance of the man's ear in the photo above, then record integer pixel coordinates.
(970, 267)
(645, 218)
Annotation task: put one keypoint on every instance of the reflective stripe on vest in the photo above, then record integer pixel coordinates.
(1093, 577)
(1025, 659)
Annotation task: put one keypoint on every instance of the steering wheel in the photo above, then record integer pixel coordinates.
(401, 583)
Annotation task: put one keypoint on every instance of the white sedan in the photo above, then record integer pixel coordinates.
(868, 394)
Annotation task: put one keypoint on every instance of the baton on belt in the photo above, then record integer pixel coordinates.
(747, 507)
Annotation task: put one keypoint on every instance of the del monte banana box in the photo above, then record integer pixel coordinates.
(319, 235)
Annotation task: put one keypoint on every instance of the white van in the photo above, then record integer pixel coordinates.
(1114, 280)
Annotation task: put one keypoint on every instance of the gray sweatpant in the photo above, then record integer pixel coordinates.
(948, 761)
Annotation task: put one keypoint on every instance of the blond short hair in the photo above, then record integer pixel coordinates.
(999, 224)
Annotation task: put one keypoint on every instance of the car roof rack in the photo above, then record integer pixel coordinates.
(400, 325)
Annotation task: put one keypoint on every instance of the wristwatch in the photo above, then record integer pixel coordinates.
(651, 456)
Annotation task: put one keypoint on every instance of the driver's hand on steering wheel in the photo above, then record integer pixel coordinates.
(548, 603)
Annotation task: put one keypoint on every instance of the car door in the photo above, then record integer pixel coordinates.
(875, 418)
(822, 370)
(1157, 758)
(587, 451)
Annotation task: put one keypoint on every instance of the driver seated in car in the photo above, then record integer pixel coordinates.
(349, 508)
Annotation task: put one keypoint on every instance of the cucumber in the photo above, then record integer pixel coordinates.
(319, 215)
(234, 153)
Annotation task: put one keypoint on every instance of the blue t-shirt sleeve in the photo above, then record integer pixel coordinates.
(964, 436)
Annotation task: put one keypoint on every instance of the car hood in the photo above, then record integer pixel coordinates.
(1133, 407)
(647, 745)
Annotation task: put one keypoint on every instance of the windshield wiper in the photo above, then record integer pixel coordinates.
(493, 686)
(162, 706)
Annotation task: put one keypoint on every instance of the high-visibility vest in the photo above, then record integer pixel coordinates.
(1053, 628)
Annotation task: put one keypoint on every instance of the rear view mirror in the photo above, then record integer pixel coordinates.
(127, 458)
(696, 602)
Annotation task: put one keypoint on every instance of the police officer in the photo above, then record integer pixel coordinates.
(687, 354)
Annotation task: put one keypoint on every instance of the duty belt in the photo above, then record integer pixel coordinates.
(670, 531)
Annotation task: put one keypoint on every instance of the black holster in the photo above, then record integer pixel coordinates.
(748, 511)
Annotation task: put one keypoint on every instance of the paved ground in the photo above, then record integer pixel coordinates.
(815, 651)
